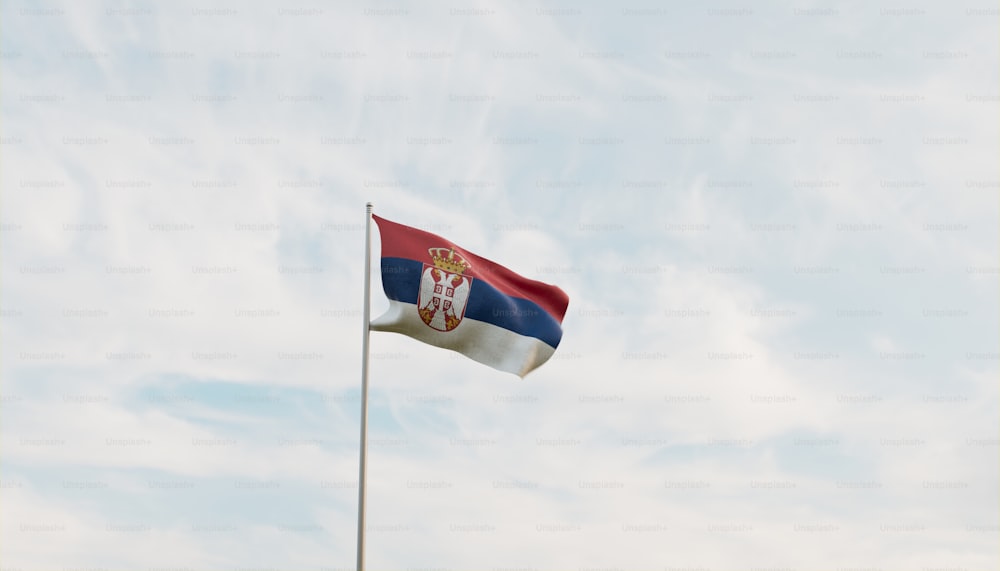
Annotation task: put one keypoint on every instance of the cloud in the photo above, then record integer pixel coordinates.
(776, 228)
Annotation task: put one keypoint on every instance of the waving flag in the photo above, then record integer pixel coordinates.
(446, 296)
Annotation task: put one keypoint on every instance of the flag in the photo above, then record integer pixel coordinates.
(448, 297)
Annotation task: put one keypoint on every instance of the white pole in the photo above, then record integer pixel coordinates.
(364, 389)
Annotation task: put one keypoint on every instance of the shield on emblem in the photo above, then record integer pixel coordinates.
(442, 298)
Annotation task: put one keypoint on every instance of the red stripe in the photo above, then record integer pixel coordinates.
(399, 241)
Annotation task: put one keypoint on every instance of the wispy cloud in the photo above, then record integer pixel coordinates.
(777, 227)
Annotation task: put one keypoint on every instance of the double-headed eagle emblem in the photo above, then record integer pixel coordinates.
(444, 290)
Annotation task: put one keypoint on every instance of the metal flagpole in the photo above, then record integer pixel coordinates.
(364, 390)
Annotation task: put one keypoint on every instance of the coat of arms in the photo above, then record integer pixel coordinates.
(444, 291)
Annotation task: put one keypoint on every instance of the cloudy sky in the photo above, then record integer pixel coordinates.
(777, 224)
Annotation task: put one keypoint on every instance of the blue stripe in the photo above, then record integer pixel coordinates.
(401, 282)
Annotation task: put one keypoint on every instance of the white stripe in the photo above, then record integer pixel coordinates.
(490, 345)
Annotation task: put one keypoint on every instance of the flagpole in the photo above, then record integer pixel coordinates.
(363, 460)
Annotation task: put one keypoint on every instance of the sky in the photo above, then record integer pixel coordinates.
(777, 224)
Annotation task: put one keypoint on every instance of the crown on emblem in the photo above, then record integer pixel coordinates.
(447, 260)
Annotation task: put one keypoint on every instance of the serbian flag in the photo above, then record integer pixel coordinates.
(446, 296)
